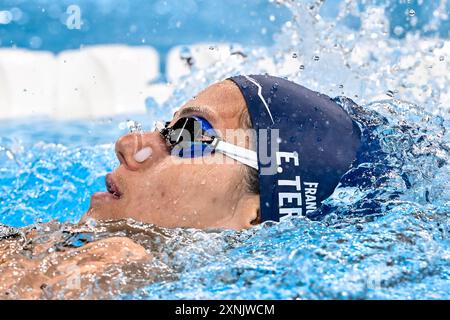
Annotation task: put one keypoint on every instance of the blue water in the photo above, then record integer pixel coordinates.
(162, 24)
(383, 234)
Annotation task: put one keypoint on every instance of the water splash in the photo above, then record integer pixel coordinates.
(383, 234)
(384, 231)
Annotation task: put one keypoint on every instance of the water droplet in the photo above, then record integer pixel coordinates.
(411, 12)
(390, 93)
(134, 126)
(441, 58)
(316, 58)
(272, 17)
(211, 47)
(341, 86)
(35, 42)
(5, 17)
(9, 154)
(90, 222)
(123, 125)
(398, 30)
(294, 55)
(302, 67)
(185, 53)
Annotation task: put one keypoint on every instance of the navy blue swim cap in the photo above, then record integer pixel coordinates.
(305, 144)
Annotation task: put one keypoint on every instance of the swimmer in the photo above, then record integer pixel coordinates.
(302, 144)
(246, 150)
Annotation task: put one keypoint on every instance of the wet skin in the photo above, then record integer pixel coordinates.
(161, 190)
(173, 192)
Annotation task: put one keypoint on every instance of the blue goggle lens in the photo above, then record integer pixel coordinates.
(186, 136)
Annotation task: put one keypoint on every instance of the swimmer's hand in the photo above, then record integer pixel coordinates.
(71, 273)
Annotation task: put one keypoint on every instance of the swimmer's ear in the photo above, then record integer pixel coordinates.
(248, 210)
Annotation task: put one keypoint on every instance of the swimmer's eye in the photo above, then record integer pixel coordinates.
(194, 136)
(191, 135)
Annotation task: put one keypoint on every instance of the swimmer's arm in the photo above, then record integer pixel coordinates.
(69, 272)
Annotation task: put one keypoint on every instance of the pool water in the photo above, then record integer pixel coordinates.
(383, 234)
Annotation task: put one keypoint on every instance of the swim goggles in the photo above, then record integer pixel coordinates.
(193, 136)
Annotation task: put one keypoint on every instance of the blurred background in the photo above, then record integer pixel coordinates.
(86, 59)
(71, 59)
(43, 24)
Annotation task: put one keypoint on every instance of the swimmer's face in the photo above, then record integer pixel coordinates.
(173, 192)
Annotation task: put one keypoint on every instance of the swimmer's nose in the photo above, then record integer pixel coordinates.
(135, 150)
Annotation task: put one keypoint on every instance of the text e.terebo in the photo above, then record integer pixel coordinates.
(290, 201)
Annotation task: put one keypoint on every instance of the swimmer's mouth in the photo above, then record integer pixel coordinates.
(112, 187)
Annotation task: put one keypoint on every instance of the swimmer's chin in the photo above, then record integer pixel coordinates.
(94, 214)
(101, 205)
(90, 214)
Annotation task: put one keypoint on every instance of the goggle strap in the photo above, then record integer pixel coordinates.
(242, 155)
(245, 156)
